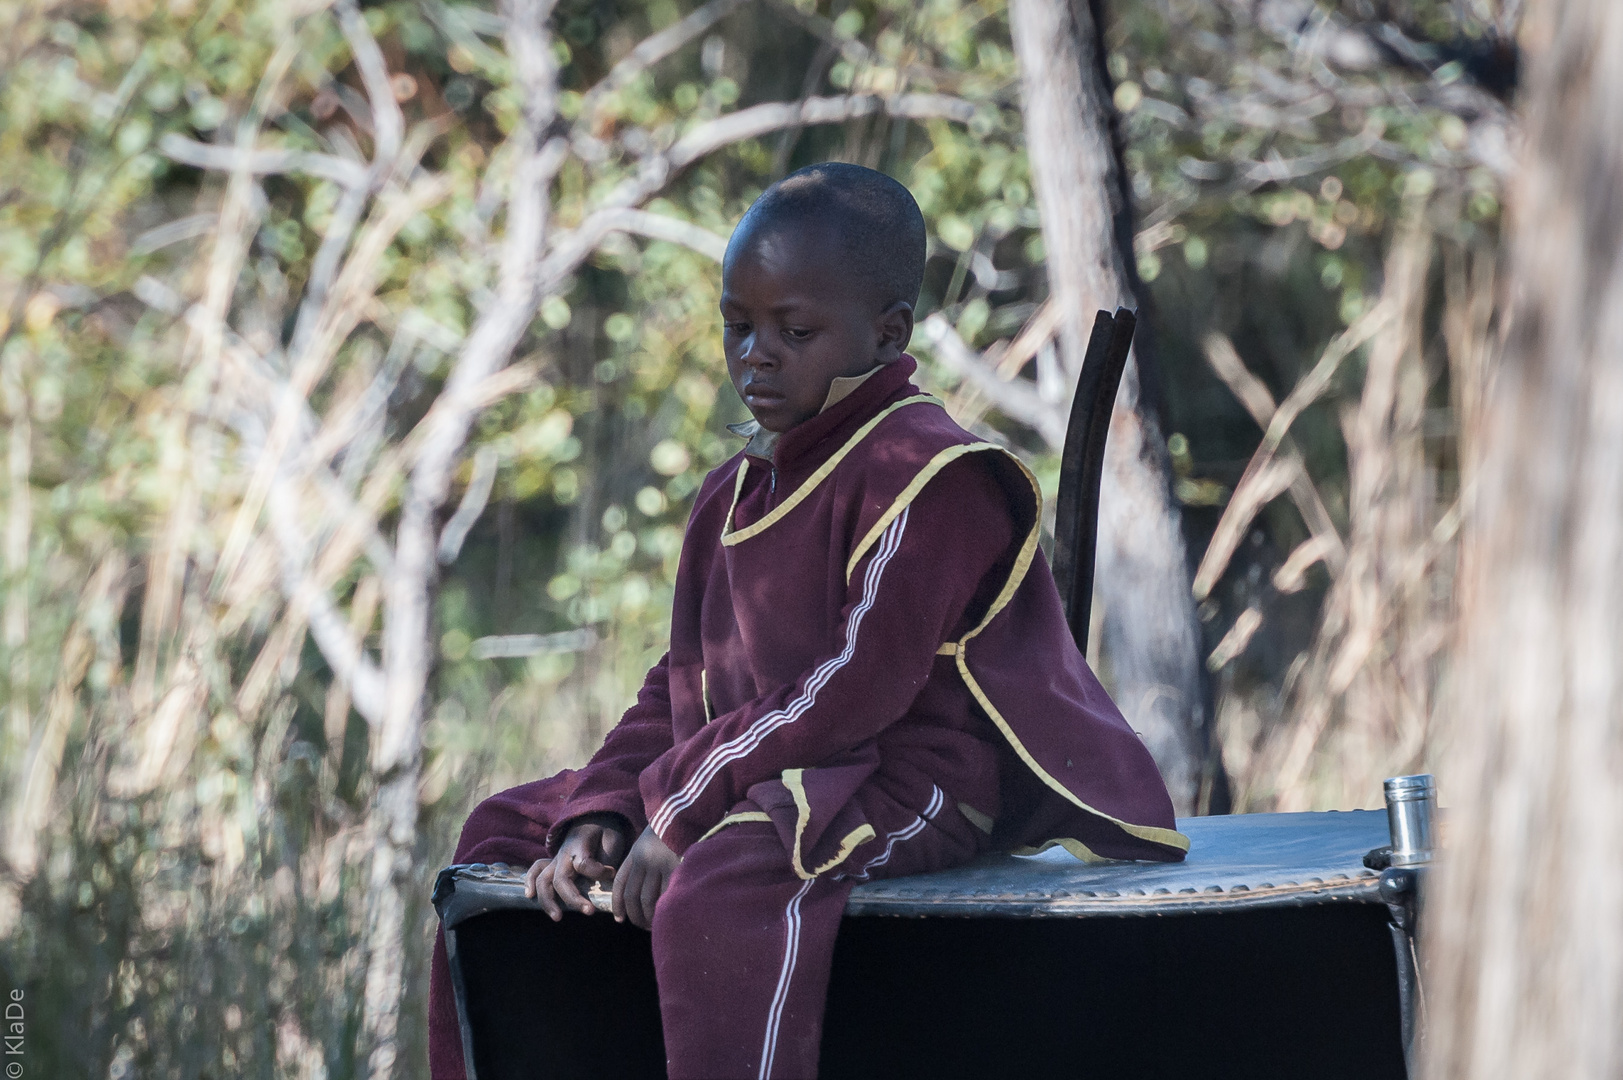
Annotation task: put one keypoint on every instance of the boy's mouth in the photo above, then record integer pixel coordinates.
(763, 395)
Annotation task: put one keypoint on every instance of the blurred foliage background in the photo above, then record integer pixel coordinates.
(187, 786)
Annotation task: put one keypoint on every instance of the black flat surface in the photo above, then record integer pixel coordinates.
(1278, 993)
(569, 999)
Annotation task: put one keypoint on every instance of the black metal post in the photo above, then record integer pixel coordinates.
(1400, 889)
(1076, 509)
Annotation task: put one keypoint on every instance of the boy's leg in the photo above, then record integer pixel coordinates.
(743, 946)
(509, 827)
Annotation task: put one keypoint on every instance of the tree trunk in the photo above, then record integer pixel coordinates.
(408, 648)
(1526, 928)
(1149, 647)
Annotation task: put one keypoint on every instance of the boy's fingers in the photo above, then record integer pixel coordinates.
(530, 875)
(563, 882)
(631, 892)
(617, 898)
(545, 895)
(651, 888)
(634, 903)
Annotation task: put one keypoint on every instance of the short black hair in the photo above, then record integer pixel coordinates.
(880, 226)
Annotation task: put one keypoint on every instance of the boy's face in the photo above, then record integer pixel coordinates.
(796, 320)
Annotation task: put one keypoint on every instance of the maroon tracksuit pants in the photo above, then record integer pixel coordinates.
(742, 944)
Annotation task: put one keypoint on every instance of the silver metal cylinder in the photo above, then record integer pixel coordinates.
(1411, 807)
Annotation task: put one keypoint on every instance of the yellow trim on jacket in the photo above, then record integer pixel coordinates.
(861, 834)
(909, 493)
(731, 536)
(734, 819)
(1028, 554)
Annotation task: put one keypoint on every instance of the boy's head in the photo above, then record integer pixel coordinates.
(819, 282)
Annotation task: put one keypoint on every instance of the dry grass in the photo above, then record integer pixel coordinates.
(1359, 703)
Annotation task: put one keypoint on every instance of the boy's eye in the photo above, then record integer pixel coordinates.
(736, 327)
(795, 333)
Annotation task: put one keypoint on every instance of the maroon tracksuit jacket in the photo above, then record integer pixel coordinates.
(869, 674)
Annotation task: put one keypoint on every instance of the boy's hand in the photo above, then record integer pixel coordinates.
(594, 846)
(643, 879)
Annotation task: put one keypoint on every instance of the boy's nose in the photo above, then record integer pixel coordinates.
(752, 352)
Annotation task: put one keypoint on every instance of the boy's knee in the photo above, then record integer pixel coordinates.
(681, 913)
(719, 876)
(697, 910)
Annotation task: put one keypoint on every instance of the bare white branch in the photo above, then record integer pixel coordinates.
(388, 125)
(267, 388)
(1289, 577)
(1235, 641)
(1038, 331)
(1016, 399)
(330, 630)
(406, 659)
(1254, 395)
(174, 232)
(1279, 170)
(654, 227)
(343, 511)
(472, 505)
(485, 351)
(1270, 471)
(1256, 489)
(520, 645)
(351, 295)
(1317, 381)
(229, 158)
(758, 120)
(329, 259)
(324, 267)
(572, 248)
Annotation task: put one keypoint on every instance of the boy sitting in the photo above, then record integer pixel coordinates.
(869, 674)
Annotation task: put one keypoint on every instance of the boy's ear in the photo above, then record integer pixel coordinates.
(895, 327)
